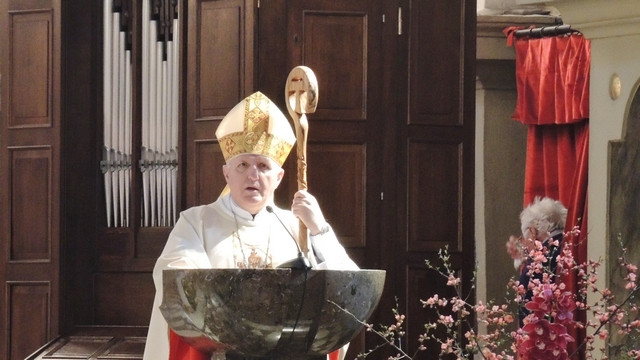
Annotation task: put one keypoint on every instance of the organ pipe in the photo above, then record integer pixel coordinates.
(158, 163)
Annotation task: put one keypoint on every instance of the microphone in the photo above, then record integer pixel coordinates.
(301, 262)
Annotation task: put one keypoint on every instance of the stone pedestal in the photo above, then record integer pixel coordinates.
(272, 313)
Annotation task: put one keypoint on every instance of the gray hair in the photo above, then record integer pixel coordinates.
(544, 214)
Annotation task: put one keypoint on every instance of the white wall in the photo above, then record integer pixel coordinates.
(500, 165)
(613, 26)
(493, 7)
(500, 153)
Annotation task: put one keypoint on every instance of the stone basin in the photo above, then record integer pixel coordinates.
(269, 313)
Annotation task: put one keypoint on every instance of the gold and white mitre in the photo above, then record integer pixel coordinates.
(256, 126)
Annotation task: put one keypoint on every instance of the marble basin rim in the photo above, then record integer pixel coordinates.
(269, 313)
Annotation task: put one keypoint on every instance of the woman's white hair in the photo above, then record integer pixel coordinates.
(544, 214)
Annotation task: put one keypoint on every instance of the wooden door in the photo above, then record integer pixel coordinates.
(434, 205)
(340, 41)
(30, 175)
(220, 59)
(391, 143)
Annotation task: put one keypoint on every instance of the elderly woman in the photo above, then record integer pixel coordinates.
(541, 222)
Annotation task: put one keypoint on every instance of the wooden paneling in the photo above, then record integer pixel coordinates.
(30, 182)
(341, 196)
(126, 348)
(122, 299)
(113, 244)
(31, 68)
(82, 190)
(221, 73)
(435, 203)
(29, 307)
(342, 42)
(209, 179)
(342, 72)
(436, 59)
(425, 284)
(434, 197)
(222, 59)
(30, 201)
(344, 146)
(92, 347)
(221, 63)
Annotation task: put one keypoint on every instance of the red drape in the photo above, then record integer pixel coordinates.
(180, 350)
(552, 79)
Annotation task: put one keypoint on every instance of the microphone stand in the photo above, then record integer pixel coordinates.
(301, 262)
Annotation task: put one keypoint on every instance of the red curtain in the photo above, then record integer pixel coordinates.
(552, 80)
(180, 350)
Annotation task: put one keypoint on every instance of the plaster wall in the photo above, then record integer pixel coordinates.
(500, 152)
(613, 26)
(614, 55)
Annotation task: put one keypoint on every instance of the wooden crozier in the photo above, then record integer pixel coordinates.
(301, 95)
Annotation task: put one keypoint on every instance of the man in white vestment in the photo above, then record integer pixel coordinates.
(237, 230)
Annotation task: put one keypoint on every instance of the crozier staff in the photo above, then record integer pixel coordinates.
(237, 230)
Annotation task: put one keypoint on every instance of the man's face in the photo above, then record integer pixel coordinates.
(252, 180)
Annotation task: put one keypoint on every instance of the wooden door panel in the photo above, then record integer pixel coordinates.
(335, 38)
(339, 184)
(30, 183)
(122, 298)
(436, 58)
(220, 57)
(209, 181)
(436, 155)
(221, 63)
(341, 42)
(30, 201)
(30, 309)
(31, 81)
(424, 284)
(341, 68)
(434, 197)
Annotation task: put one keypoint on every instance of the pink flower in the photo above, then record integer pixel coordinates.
(446, 320)
(544, 341)
(603, 334)
(480, 308)
(453, 281)
(431, 301)
(565, 307)
(541, 304)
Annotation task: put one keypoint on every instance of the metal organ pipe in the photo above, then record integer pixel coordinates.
(160, 65)
(105, 164)
(158, 141)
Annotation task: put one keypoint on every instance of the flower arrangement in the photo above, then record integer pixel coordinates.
(551, 314)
